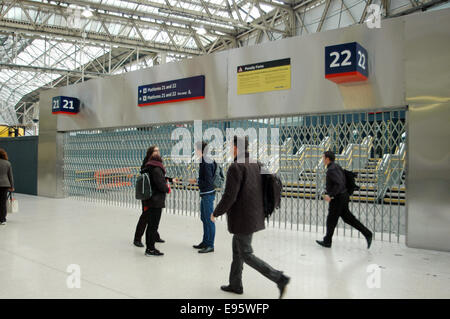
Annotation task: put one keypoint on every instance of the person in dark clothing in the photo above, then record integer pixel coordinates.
(142, 223)
(207, 194)
(338, 199)
(153, 206)
(243, 202)
(6, 184)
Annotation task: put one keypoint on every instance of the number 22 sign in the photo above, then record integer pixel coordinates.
(345, 63)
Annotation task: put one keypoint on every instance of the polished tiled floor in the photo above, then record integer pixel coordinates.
(48, 235)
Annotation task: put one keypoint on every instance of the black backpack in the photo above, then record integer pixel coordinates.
(350, 183)
(143, 188)
(218, 177)
(272, 187)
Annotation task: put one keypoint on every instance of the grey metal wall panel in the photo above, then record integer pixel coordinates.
(427, 62)
(112, 102)
(50, 155)
(47, 121)
(46, 164)
(102, 104)
(310, 92)
(22, 153)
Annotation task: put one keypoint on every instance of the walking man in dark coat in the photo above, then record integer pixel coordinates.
(243, 202)
(338, 198)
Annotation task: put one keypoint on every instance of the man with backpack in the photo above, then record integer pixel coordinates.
(339, 183)
(206, 184)
(242, 200)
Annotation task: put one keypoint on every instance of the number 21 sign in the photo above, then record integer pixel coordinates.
(345, 63)
(65, 105)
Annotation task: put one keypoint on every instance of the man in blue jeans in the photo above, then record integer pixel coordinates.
(207, 195)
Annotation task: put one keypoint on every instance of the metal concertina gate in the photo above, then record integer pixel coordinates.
(102, 165)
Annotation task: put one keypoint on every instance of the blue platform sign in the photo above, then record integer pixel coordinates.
(172, 91)
(346, 62)
(65, 105)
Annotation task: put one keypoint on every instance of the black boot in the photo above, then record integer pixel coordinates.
(284, 281)
(137, 243)
(323, 243)
(233, 290)
(200, 246)
(206, 250)
(153, 252)
(369, 240)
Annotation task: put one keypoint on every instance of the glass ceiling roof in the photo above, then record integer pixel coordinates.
(162, 22)
(43, 42)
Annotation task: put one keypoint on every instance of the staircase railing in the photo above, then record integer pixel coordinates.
(390, 170)
(356, 156)
(310, 156)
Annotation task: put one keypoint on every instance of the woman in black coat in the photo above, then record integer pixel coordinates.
(152, 208)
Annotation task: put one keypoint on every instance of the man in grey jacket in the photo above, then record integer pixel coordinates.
(6, 184)
(243, 202)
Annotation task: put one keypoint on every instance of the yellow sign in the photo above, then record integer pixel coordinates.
(6, 131)
(264, 77)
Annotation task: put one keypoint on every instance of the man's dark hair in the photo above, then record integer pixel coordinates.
(330, 155)
(201, 145)
(241, 140)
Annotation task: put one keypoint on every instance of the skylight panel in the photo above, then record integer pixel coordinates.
(254, 13)
(148, 34)
(265, 7)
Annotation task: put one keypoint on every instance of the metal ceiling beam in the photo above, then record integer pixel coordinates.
(275, 4)
(157, 47)
(364, 13)
(103, 10)
(17, 47)
(37, 69)
(299, 18)
(304, 3)
(421, 7)
(73, 76)
(210, 5)
(97, 38)
(348, 11)
(119, 15)
(324, 15)
(36, 58)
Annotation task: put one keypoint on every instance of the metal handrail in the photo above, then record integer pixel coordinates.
(388, 175)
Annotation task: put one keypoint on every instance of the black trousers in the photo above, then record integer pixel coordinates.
(243, 253)
(339, 208)
(3, 201)
(148, 223)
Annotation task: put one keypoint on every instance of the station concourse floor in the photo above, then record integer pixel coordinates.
(39, 243)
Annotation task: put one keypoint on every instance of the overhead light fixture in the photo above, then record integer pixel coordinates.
(87, 13)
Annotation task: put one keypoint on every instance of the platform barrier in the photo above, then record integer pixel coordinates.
(102, 165)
